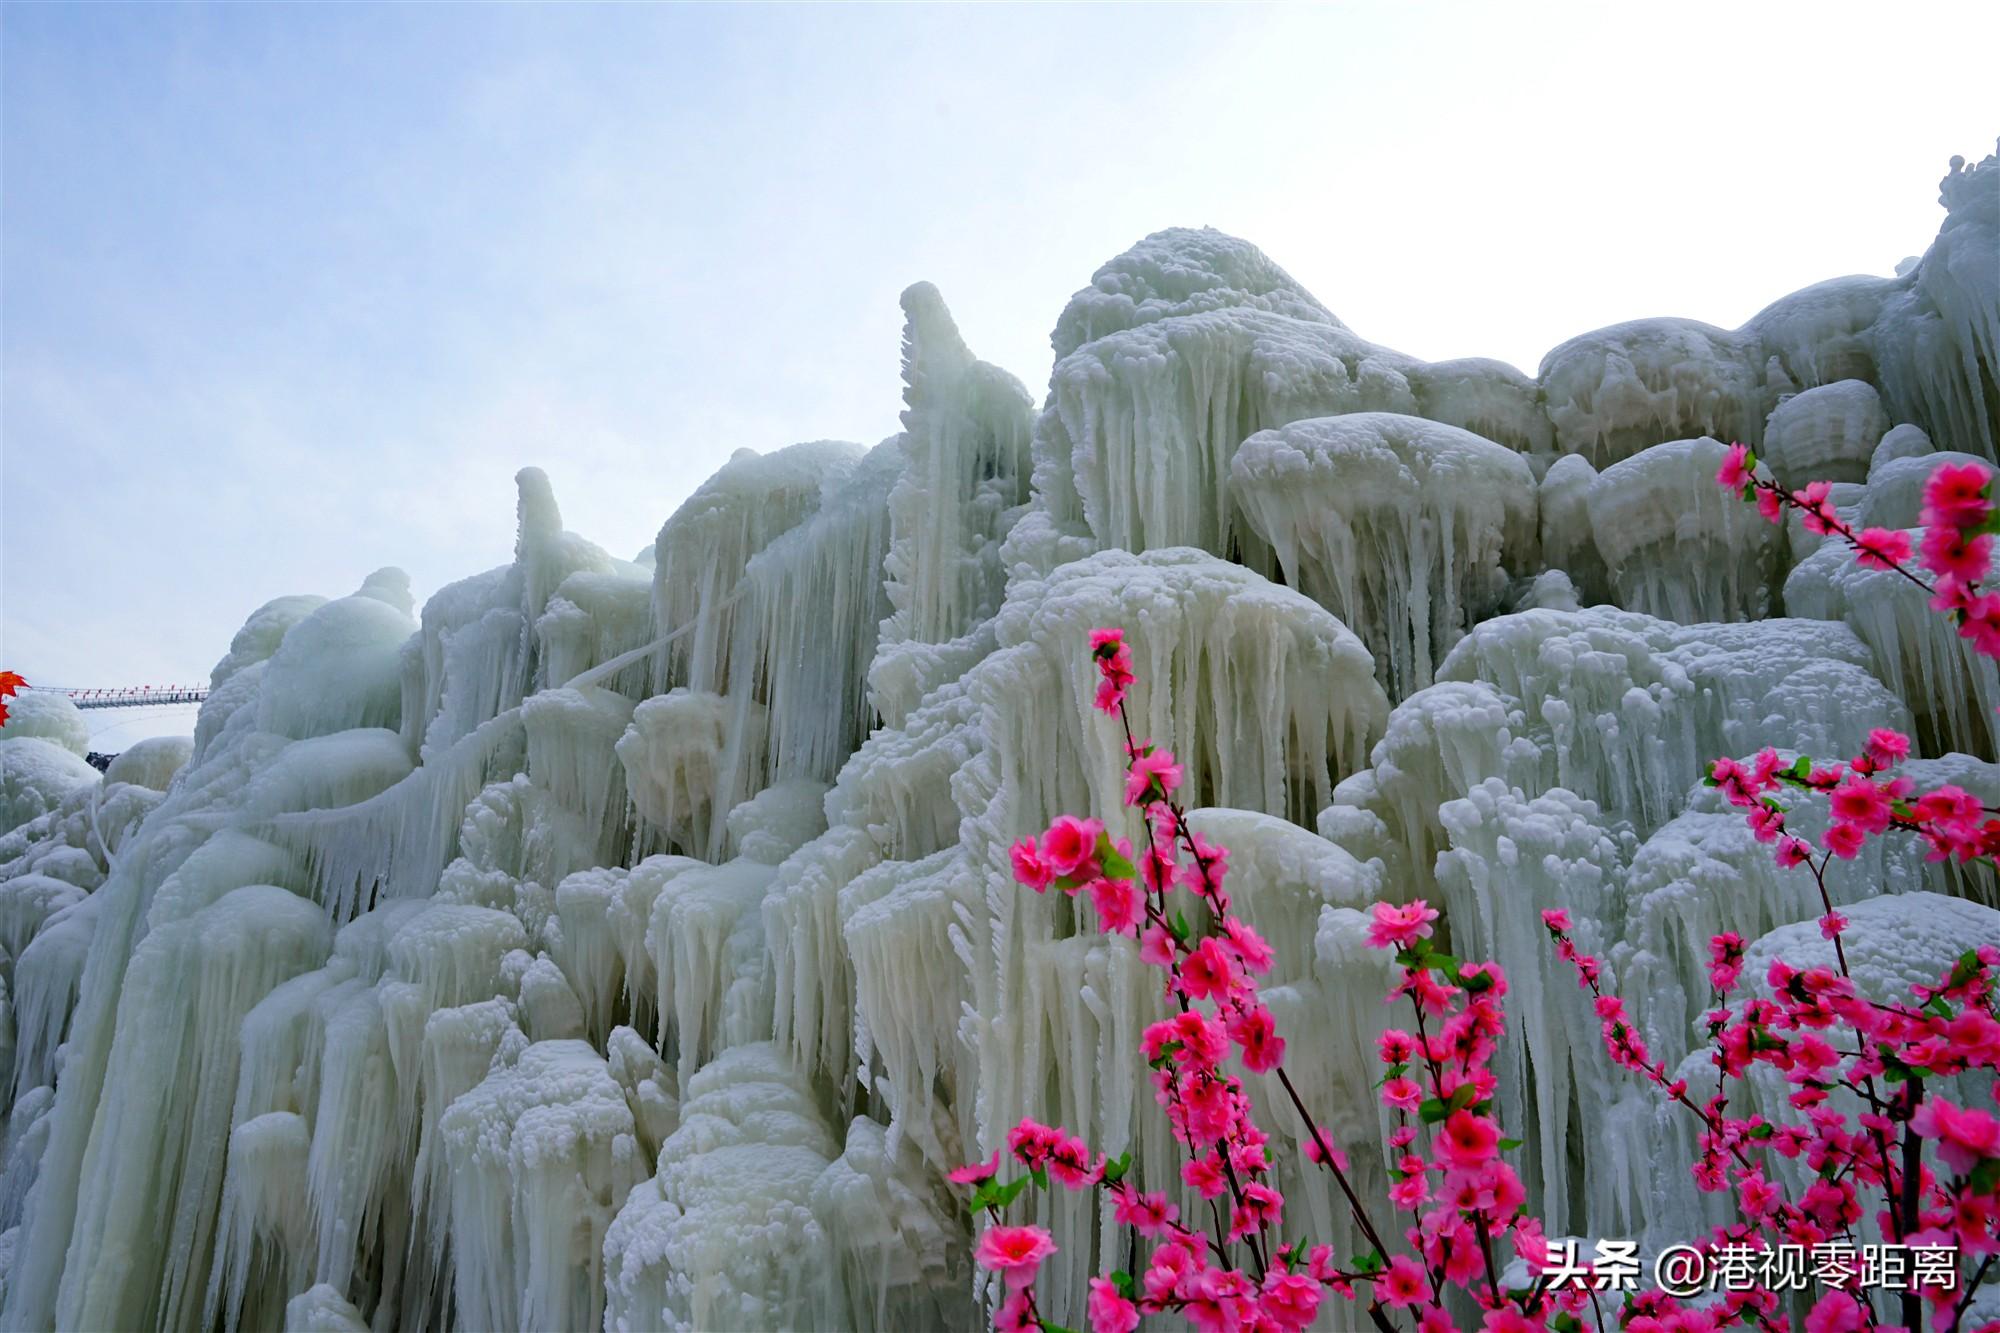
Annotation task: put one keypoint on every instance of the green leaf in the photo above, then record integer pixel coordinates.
(1123, 1281)
(1508, 1145)
(1986, 1176)
(1113, 863)
(1761, 1132)
(1443, 962)
(1179, 926)
(1010, 1191)
(1364, 1264)
(1115, 1169)
(1040, 1176)
(1047, 1327)
(1801, 768)
(982, 1198)
(1431, 1110)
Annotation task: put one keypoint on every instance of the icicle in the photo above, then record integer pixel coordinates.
(1824, 434)
(1679, 546)
(1619, 390)
(238, 949)
(811, 971)
(1403, 528)
(702, 551)
(1511, 857)
(541, 1156)
(706, 937)
(896, 1236)
(724, 1237)
(1952, 690)
(966, 459)
(675, 753)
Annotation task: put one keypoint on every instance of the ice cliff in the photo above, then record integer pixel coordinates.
(630, 944)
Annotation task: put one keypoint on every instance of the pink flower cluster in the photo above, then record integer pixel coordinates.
(1226, 1267)
(1862, 803)
(1956, 549)
(1805, 1030)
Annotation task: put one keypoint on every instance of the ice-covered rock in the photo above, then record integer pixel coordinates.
(47, 715)
(1825, 434)
(1406, 529)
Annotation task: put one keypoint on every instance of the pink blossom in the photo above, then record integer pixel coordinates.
(1818, 513)
(1117, 904)
(1835, 1312)
(1401, 1283)
(1150, 769)
(1980, 622)
(1289, 1300)
(1862, 803)
(1208, 972)
(1103, 639)
(1400, 927)
(1156, 946)
(1882, 548)
(1769, 505)
(1030, 868)
(1831, 924)
(1110, 1312)
(1015, 1252)
(1556, 918)
(1793, 851)
(1257, 1033)
(1248, 946)
(1071, 844)
(1886, 747)
(975, 1172)
(1955, 496)
(1148, 1214)
(1203, 1174)
(1843, 840)
(1965, 1136)
(1468, 1140)
(1317, 1158)
(1734, 474)
(1952, 554)
(1395, 1047)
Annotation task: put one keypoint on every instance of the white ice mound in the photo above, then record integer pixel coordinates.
(701, 552)
(1208, 641)
(1631, 708)
(542, 1155)
(1894, 497)
(339, 668)
(36, 776)
(1404, 528)
(151, 763)
(1180, 271)
(1950, 688)
(1825, 434)
(1622, 389)
(724, 1237)
(47, 715)
(1677, 545)
(1892, 943)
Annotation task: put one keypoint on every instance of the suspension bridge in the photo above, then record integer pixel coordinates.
(127, 696)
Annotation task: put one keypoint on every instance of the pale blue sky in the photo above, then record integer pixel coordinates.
(289, 293)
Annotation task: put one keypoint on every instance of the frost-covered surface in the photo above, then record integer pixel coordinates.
(632, 944)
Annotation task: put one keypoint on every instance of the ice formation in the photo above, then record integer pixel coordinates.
(632, 944)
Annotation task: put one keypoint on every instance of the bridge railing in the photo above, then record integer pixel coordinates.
(127, 696)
